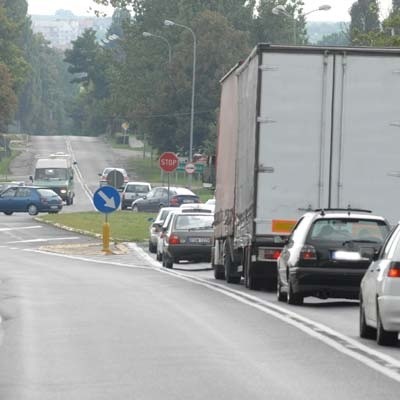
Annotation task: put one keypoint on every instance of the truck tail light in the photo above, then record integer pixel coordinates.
(308, 253)
(272, 254)
(394, 270)
(174, 239)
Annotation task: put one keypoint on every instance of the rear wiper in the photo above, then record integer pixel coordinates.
(359, 241)
(200, 228)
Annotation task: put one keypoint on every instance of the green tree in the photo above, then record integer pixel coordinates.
(8, 98)
(12, 63)
(364, 20)
(279, 29)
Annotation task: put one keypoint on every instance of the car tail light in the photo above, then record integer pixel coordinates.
(272, 254)
(174, 201)
(394, 270)
(308, 253)
(174, 239)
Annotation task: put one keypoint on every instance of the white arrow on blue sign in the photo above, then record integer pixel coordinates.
(106, 199)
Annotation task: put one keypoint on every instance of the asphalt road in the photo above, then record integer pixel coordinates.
(122, 327)
(104, 327)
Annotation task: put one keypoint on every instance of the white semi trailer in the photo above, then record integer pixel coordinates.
(301, 128)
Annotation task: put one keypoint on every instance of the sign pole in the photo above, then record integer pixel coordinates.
(168, 187)
(106, 199)
(106, 235)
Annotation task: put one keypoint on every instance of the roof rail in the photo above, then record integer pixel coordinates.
(348, 210)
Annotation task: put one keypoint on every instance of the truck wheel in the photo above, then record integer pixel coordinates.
(219, 271)
(230, 277)
(249, 280)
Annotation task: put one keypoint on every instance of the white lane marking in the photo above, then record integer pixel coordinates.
(374, 359)
(45, 240)
(20, 228)
(84, 186)
(80, 258)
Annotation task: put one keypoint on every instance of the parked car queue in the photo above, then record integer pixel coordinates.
(350, 254)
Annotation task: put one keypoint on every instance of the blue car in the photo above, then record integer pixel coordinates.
(30, 199)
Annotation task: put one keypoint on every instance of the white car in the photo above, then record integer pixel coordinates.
(155, 227)
(133, 191)
(380, 294)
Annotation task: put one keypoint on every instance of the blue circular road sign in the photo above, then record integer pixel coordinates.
(106, 199)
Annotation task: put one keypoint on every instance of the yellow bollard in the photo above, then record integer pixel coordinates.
(106, 238)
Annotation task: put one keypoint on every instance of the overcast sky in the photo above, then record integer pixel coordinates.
(338, 12)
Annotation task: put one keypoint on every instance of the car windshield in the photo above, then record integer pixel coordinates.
(340, 229)
(193, 222)
(51, 174)
(137, 189)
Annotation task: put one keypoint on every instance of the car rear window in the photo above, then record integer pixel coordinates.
(137, 189)
(186, 222)
(340, 229)
(47, 192)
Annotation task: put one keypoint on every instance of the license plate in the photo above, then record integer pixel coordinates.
(346, 255)
(54, 207)
(200, 240)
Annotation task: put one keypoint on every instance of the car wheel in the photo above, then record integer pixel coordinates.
(219, 271)
(135, 208)
(8, 212)
(152, 247)
(228, 266)
(384, 337)
(281, 296)
(168, 261)
(159, 257)
(292, 298)
(123, 207)
(366, 332)
(68, 201)
(32, 210)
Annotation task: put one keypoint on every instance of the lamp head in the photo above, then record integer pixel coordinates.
(167, 22)
(324, 7)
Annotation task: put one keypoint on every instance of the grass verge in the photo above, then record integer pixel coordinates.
(125, 226)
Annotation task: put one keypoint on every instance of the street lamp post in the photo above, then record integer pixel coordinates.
(171, 23)
(280, 10)
(148, 34)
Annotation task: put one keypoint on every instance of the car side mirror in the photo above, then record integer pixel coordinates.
(375, 256)
(150, 219)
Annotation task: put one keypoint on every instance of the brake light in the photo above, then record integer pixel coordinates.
(394, 270)
(173, 201)
(308, 253)
(174, 239)
(272, 254)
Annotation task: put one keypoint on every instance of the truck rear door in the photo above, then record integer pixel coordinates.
(294, 137)
(366, 130)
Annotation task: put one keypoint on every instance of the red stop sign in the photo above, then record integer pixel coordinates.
(168, 161)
